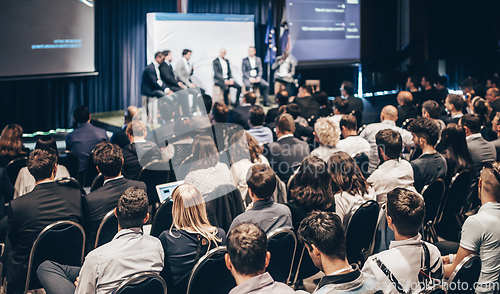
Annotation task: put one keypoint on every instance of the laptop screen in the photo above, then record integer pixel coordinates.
(164, 191)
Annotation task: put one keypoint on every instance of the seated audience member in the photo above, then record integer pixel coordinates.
(340, 107)
(264, 212)
(495, 126)
(327, 134)
(454, 150)
(28, 215)
(108, 159)
(287, 152)
(349, 187)
(493, 97)
(25, 182)
(408, 255)
(105, 268)
(139, 152)
(431, 165)
(281, 99)
(309, 107)
(393, 171)
(324, 238)
(257, 129)
(481, 233)
(388, 118)
(406, 109)
(11, 144)
(206, 172)
(482, 108)
(120, 137)
(190, 237)
(431, 110)
(85, 137)
(245, 152)
(162, 134)
(493, 82)
(247, 258)
(347, 92)
(441, 87)
(302, 128)
(454, 104)
(325, 108)
(429, 92)
(352, 144)
(239, 115)
(310, 189)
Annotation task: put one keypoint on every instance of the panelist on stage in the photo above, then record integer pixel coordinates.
(223, 77)
(167, 73)
(184, 69)
(152, 84)
(252, 74)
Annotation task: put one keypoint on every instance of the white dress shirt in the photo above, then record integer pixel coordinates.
(354, 145)
(223, 64)
(157, 70)
(345, 203)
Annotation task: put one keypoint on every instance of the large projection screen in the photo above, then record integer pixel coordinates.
(205, 35)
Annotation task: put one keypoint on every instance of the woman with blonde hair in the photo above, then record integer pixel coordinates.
(327, 134)
(11, 144)
(190, 237)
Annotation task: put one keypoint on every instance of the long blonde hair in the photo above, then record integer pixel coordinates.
(189, 211)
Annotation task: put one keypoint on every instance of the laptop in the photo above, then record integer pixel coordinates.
(164, 191)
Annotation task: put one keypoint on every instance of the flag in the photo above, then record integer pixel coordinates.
(270, 39)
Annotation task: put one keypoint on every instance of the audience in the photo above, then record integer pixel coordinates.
(454, 150)
(190, 237)
(454, 104)
(406, 109)
(354, 103)
(281, 99)
(495, 126)
(352, 144)
(340, 108)
(325, 108)
(162, 134)
(309, 107)
(410, 260)
(327, 134)
(441, 83)
(239, 115)
(247, 258)
(429, 92)
(105, 268)
(11, 144)
(302, 129)
(120, 138)
(482, 108)
(257, 129)
(431, 165)
(493, 98)
(431, 110)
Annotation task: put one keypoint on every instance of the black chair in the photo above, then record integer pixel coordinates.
(90, 171)
(62, 242)
(362, 161)
(433, 290)
(224, 204)
(433, 197)
(152, 174)
(145, 282)
(107, 229)
(70, 161)
(282, 244)
(467, 271)
(163, 218)
(71, 182)
(13, 167)
(305, 267)
(456, 201)
(360, 232)
(97, 183)
(210, 273)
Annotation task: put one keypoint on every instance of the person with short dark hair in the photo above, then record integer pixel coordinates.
(347, 92)
(184, 69)
(493, 97)
(223, 77)
(85, 137)
(220, 113)
(429, 92)
(257, 129)
(263, 212)
(441, 86)
(340, 108)
(454, 104)
(323, 236)
(432, 110)
(167, 73)
(239, 115)
(408, 253)
(352, 144)
(152, 84)
(247, 258)
(252, 74)
(120, 138)
(105, 268)
(282, 99)
(309, 107)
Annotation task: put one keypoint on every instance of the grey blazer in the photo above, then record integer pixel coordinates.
(481, 152)
(246, 67)
(182, 74)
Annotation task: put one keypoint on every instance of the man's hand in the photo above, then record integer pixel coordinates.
(169, 92)
(76, 282)
(229, 82)
(257, 80)
(253, 80)
(446, 259)
(181, 84)
(192, 86)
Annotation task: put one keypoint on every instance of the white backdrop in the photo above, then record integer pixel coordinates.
(205, 35)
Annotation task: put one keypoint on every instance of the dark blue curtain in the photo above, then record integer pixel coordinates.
(120, 56)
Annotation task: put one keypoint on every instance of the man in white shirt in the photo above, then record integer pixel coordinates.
(223, 77)
(352, 144)
(252, 74)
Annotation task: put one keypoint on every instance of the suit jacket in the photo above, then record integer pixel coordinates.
(132, 165)
(405, 112)
(246, 68)
(308, 106)
(6, 191)
(168, 77)
(355, 104)
(218, 78)
(120, 138)
(29, 215)
(481, 152)
(285, 156)
(182, 74)
(239, 115)
(83, 140)
(150, 81)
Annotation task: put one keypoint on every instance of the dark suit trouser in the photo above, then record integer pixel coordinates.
(57, 278)
(226, 88)
(263, 87)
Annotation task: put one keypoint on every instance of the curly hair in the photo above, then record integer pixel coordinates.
(327, 132)
(426, 128)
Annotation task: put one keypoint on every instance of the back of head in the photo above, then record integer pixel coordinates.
(327, 132)
(207, 100)
(391, 143)
(293, 109)
(47, 143)
(390, 113)
(108, 158)
(457, 101)
(158, 54)
(81, 114)
(130, 113)
(490, 180)
(242, 144)
(41, 163)
(220, 112)
(430, 77)
(349, 122)
(406, 97)
(432, 108)
(282, 97)
(307, 88)
(472, 121)
(442, 80)
(407, 210)
(483, 109)
(166, 112)
(250, 98)
(321, 97)
(467, 84)
(11, 140)
(204, 152)
(346, 175)
(247, 249)
(348, 87)
(324, 231)
(415, 80)
(261, 179)
(342, 105)
(285, 123)
(132, 208)
(256, 116)
(136, 129)
(426, 128)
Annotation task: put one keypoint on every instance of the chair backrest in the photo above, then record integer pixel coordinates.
(13, 167)
(71, 182)
(210, 274)
(360, 231)
(152, 174)
(107, 229)
(305, 267)
(282, 244)
(145, 282)
(70, 161)
(163, 218)
(362, 161)
(457, 194)
(90, 171)
(97, 183)
(62, 242)
(224, 204)
(467, 271)
(433, 196)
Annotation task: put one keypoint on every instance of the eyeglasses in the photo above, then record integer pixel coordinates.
(495, 168)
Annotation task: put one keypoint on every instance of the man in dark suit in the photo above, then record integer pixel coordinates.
(281, 99)
(167, 73)
(252, 74)
(120, 138)
(109, 160)
(28, 215)
(239, 115)
(84, 138)
(355, 104)
(309, 107)
(152, 85)
(286, 154)
(223, 77)
(406, 109)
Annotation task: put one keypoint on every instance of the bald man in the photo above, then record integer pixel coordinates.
(120, 138)
(388, 118)
(223, 77)
(406, 109)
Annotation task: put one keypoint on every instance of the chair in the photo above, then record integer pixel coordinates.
(467, 271)
(71, 182)
(97, 183)
(70, 161)
(282, 244)
(210, 272)
(223, 205)
(315, 84)
(163, 218)
(434, 290)
(305, 267)
(107, 229)
(90, 171)
(433, 197)
(152, 174)
(62, 242)
(13, 168)
(456, 200)
(362, 161)
(145, 282)
(360, 232)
